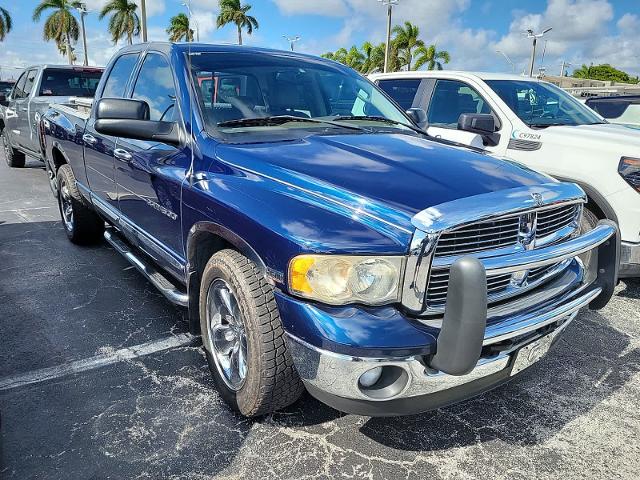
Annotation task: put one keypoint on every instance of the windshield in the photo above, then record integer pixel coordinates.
(69, 82)
(5, 87)
(540, 104)
(234, 88)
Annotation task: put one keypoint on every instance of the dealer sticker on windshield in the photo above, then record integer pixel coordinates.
(530, 354)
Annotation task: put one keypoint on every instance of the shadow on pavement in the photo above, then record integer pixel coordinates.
(586, 367)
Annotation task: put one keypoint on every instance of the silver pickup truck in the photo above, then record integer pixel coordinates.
(36, 89)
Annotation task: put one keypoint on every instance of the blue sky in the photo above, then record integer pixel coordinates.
(584, 31)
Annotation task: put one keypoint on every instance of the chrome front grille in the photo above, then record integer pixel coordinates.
(555, 219)
(494, 237)
(479, 237)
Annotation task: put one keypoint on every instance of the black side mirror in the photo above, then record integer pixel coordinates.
(3, 100)
(418, 115)
(122, 109)
(119, 117)
(480, 123)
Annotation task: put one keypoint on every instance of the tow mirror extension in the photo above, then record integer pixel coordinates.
(465, 320)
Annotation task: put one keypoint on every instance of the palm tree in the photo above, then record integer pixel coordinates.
(124, 21)
(5, 23)
(179, 29)
(61, 25)
(431, 57)
(406, 40)
(231, 11)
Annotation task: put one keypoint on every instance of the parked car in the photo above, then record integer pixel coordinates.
(5, 87)
(318, 238)
(624, 109)
(539, 125)
(36, 89)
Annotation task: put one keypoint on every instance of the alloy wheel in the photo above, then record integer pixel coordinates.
(226, 336)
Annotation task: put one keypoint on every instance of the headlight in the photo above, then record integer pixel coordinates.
(342, 279)
(629, 169)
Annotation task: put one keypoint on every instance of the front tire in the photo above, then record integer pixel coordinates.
(13, 157)
(81, 223)
(589, 220)
(243, 337)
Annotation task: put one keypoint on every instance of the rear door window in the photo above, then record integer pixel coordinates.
(69, 82)
(452, 98)
(18, 91)
(31, 80)
(116, 84)
(402, 91)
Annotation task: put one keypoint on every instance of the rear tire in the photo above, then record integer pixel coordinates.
(81, 223)
(13, 157)
(269, 381)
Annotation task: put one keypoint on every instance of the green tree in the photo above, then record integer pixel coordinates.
(61, 26)
(5, 23)
(124, 21)
(231, 11)
(406, 41)
(603, 72)
(431, 57)
(180, 29)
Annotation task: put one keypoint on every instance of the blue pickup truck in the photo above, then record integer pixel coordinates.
(318, 238)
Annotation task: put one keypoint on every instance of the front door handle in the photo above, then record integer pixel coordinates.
(122, 154)
(89, 139)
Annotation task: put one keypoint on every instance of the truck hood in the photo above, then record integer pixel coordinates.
(624, 138)
(391, 175)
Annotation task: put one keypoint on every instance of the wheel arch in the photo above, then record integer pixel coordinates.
(58, 158)
(596, 202)
(204, 240)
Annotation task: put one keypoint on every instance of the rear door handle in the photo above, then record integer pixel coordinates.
(122, 154)
(89, 139)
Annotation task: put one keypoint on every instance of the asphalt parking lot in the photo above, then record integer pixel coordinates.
(99, 379)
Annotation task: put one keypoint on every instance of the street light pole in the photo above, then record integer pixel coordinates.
(387, 49)
(535, 37)
(291, 40)
(83, 11)
(195, 22)
(143, 19)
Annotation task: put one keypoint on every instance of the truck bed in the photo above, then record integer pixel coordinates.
(78, 107)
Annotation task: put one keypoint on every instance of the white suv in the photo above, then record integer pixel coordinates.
(539, 125)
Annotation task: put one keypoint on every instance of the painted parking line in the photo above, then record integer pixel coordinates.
(98, 361)
(27, 209)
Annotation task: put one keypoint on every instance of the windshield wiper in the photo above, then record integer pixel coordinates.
(276, 120)
(375, 118)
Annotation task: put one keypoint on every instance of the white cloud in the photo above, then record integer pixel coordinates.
(329, 8)
(153, 7)
(205, 21)
(629, 23)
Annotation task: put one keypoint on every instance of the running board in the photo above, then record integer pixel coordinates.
(162, 283)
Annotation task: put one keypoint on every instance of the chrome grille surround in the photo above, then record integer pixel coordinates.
(502, 223)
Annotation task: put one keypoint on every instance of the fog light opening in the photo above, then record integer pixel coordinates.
(382, 383)
(370, 377)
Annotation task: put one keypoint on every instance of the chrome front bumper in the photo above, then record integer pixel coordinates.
(419, 383)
